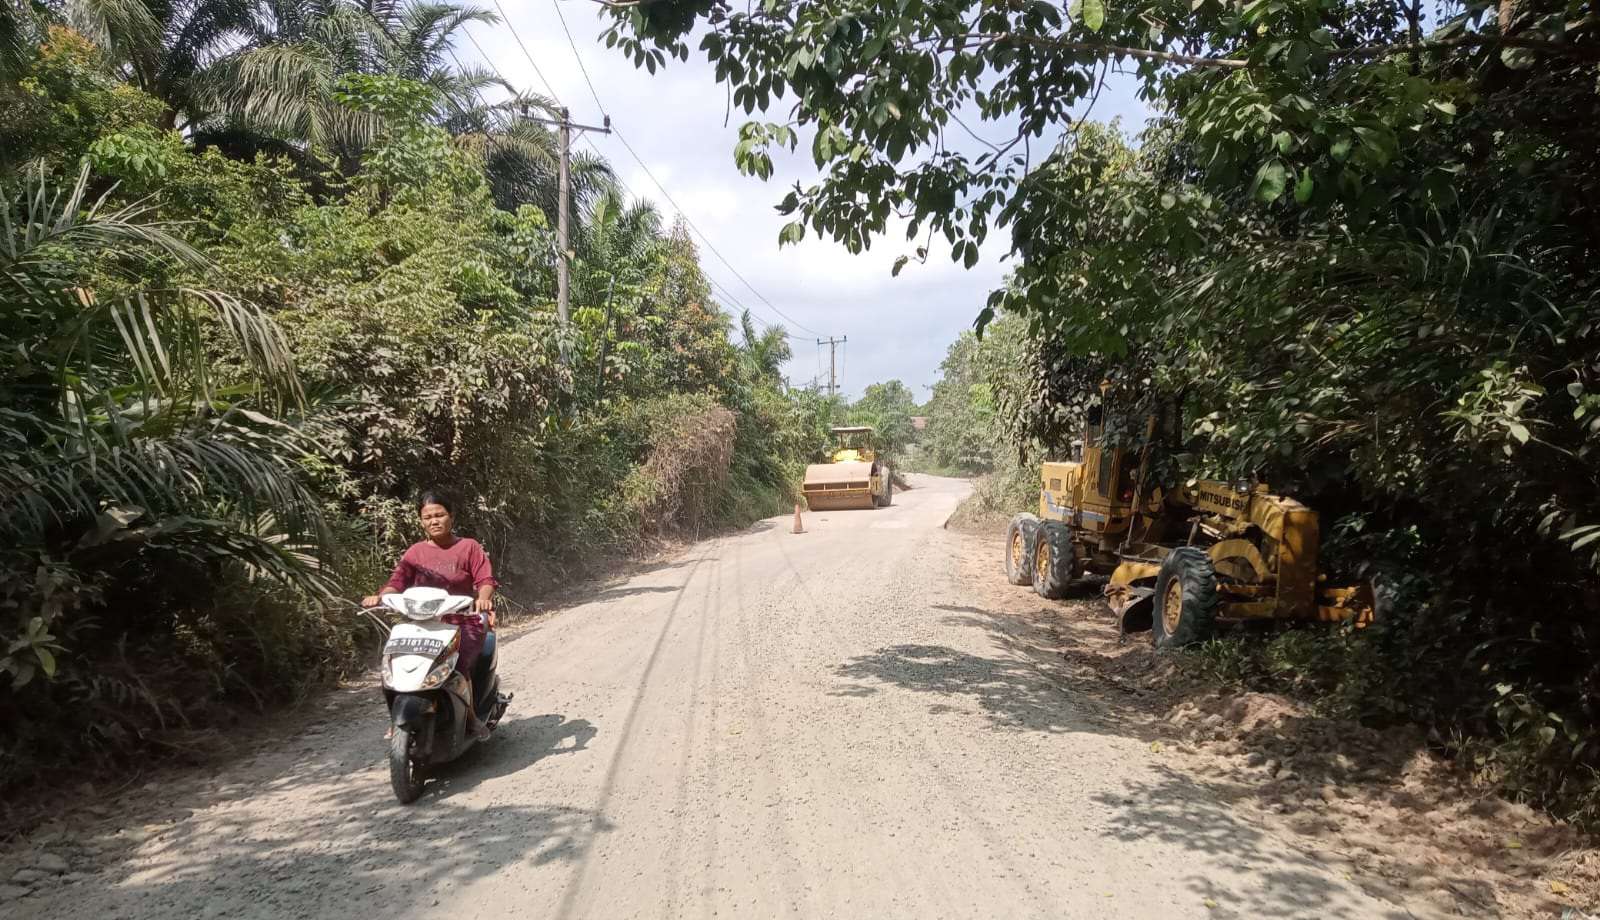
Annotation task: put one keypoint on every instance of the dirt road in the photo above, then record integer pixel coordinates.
(821, 725)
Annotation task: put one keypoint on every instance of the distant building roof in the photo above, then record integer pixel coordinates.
(919, 422)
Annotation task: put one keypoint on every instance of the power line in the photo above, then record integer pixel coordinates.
(578, 56)
(581, 69)
(707, 240)
(637, 159)
(513, 29)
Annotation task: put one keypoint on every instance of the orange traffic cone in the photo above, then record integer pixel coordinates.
(798, 526)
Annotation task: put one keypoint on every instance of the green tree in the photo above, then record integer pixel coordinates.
(1314, 99)
(166, 48)
(1359, 250)
(63, 101)
(962, 431)
(121, 445)
(765, 351)
(888, 408)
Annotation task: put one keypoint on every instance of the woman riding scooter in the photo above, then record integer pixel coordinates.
(459, 566)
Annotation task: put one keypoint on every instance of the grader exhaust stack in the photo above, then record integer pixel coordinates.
(854, 480)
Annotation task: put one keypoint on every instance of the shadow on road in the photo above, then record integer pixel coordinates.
(517, 745)
(321, 835)
(1048, 669)
(1199, 817)
(611, 594)
(1014, 695)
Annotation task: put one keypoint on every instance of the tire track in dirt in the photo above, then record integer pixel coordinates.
(628, 735)
(692, 742)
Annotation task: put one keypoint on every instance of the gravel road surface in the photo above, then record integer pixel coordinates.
(828, 724)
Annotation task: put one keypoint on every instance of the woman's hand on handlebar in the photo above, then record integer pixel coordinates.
(371, 600)
(485, 606)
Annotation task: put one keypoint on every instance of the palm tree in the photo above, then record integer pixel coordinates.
(117, 440)
(167, 47)
(615, 243)
(764, 352)
(16, 27)
(282, 82)
(273, 65)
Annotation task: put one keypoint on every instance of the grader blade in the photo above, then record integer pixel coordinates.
(1133, 606)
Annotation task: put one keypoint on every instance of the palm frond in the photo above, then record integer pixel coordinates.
(41, 220)
(15, 24)
(55, 232)
(127, 29)
(461, 93)
(424, 33)
(53, 474)
(287, 89)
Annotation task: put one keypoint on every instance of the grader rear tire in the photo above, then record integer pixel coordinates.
(1020, 536)
(1186, 599)
(1055, 563)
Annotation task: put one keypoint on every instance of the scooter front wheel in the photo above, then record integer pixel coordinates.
(405, 774)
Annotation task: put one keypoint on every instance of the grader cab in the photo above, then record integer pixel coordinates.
(855, 477)
(1178, 561)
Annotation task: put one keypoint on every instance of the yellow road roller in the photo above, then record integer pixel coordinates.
(854, 478)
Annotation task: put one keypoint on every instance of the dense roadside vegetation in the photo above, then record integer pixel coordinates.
(967, 433)
(267, 270)
(1359, 246)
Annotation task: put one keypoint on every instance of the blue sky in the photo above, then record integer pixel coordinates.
(678, 123)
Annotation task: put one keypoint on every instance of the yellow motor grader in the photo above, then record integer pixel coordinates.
(855, 478)
(1180, 561)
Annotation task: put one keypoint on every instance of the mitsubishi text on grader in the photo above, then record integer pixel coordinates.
(855, 478)
(1179, 561)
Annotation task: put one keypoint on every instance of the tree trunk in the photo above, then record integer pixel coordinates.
(1508, 14)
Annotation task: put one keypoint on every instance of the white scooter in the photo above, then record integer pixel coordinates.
(427, 696)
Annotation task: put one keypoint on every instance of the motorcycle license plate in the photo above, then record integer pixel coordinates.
(413, 645)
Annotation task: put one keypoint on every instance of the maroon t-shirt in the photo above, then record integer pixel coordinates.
(459, 568)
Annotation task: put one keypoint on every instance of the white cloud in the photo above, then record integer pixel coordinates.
(678, 123)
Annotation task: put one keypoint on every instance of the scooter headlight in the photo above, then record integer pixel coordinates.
(441, 670)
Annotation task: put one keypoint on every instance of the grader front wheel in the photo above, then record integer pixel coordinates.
(1186, 599)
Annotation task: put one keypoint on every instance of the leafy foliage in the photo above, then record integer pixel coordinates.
(1357, 250)
(967, 430)
(236, 352)
(887, 407)
(122, 456)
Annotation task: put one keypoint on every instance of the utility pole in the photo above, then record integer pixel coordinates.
(833, 363)
(565, 127)
(563, 205)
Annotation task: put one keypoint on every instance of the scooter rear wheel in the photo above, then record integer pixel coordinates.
(405, 774)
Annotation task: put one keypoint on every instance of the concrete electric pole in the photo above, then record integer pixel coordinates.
(833, 362)
(565, 127)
